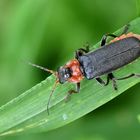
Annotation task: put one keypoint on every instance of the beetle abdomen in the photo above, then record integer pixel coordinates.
(110, 57)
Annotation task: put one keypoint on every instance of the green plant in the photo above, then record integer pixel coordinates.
(28, 112)
(138, 7)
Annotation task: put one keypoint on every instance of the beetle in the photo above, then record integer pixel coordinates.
(119, 52)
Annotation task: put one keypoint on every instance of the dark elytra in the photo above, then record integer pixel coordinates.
(110, 57)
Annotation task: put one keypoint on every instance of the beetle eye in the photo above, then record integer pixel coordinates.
(67, 75)
(64, 74)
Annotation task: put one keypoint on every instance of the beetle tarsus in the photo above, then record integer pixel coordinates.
(112, 77)
(68, 96)
(86, 47)
(81, 51)
(128, 76)
(70, 92)
(126, 28)
(114, 84)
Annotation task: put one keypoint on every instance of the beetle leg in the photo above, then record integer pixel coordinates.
(84, 50)
(81, 51)
(99, 80)
(126, 28)
(108, 79)
(128, 76)
(104, 38)
(86, 47)
(111, 77)
(102, 82)
(72, 91)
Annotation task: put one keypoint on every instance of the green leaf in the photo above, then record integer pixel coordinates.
(138, 118)
(138, 7)
(27, 113)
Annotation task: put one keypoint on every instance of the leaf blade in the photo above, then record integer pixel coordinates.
(27, 113)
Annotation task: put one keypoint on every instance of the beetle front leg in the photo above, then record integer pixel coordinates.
(70, 92)
(81, 51)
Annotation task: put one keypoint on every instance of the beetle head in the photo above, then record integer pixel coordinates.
(63, 74)
(70, 72)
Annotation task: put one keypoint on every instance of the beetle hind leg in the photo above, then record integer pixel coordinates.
(128, 76)
(110, 76)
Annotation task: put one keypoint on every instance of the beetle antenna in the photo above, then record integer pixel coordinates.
(42, 68)
(54, 86)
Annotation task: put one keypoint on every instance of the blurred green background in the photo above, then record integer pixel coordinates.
(47, 32)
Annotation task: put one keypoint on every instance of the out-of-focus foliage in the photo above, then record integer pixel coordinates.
(27, 113)
(47, 32)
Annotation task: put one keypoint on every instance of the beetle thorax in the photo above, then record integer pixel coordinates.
(76, 74)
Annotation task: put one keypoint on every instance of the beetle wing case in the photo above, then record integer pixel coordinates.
(110, 57)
